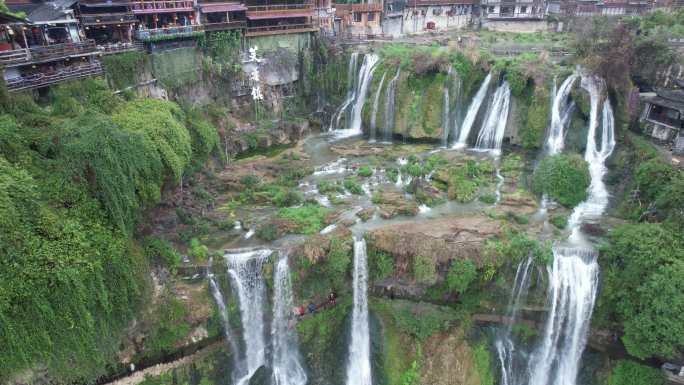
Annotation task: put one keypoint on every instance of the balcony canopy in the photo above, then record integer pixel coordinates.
(222, 7)
(279, 15)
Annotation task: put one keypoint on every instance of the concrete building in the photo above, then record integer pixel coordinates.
(358, 19)
(514, 15)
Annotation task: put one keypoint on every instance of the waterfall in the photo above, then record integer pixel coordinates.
(389, 108)
(358, 365)
(573, 282)
(491, 135)
(244, 267)
(446, 115)
(223, 313)
(374, 115)
(351, 92)
(359, 96)
(287, 369)
(457, 96)
(505, 348)
(596, 156)
(471, 115)
(573, 278)
(560, 115)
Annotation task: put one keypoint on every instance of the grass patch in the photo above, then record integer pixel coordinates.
(309, 218)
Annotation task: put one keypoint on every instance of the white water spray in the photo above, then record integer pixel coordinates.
(446, 115)
(358, 365)
(287, 369)
(491, 135)
(471, 115)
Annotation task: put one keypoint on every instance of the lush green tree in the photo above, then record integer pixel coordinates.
(644, 287)
(631, 373)
(161, 122)
(564, 178)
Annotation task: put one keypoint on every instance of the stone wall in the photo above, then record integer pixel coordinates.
(516, 25)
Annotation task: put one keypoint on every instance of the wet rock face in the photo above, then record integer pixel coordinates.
(449, 361)
(262, 376)
(438, 240)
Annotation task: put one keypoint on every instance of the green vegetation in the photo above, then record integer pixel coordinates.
(169, 328)
(122, 68)
(564, 178)
(198, 250)
(419, 320)
(560, 221)
(644, 288)
(163, 252)
(380, 264)
(364, 171)
(318, 277)
(483, 364)
(353, 187)
(309, 219)
(631, 373)
(461, 274)
(424, 270)
(325, 187)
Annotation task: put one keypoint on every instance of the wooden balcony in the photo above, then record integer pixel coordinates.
(280, 29)
(168, 33)
(147, 7)
(279, 11)
(112, 48)
(358, 7)
(47, 53)
(46, 79)
(109, 18)
(224, 26)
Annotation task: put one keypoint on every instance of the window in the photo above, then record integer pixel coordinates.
(357, 17)
(523, 9)
(491, 9)
(371, 16)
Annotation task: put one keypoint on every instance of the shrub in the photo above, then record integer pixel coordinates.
(250, 180)
(483, 364)
(424, 270)
(161, 249)
(287, 198)
(393, 174)
(564, 178)
(560, 221)
(198, 250)
(381, 265)
(631, 373)
(461, 274)
(489, 199)
(326, 187)
(267, 232)
(353, 187)
(364, 171)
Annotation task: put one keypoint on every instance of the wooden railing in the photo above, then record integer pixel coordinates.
(359, 7)
(44, 53)
(161, 6)
(111, 18)
(224, 26)
(279, 7)
(280, 29)
(45, 79)
(120, 47)
(149, 34)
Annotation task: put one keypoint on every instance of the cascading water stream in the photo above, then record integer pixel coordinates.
(446, 115)
(359, 98)
(244, 267)
(389, 108)
(458, 101)
(287, 369)
(223, 313)
(374, 114)
(596, 156)
(351, 92)
(358, 365)
(471, 115)
(573, 278)
(491, 135)
(505, 347)
(560, 115)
